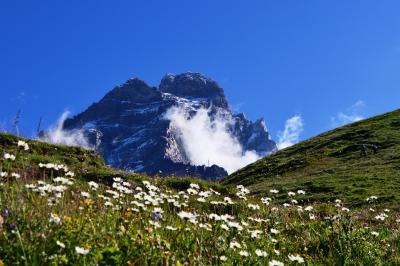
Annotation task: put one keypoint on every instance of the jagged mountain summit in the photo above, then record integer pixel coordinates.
(129, 127)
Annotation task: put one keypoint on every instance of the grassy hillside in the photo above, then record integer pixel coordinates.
(52, 215)
(351, 163)
(80, 160)
(85, 164)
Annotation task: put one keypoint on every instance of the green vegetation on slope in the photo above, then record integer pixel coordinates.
(84, 163)
(351, 163)
(57, 218)
(52, 214)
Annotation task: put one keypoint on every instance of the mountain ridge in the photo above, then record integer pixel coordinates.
(129, 127)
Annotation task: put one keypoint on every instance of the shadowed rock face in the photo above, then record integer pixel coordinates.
(129, 129)
(134, 90)
(194, 85)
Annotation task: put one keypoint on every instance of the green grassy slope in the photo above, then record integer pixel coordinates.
(41, 152)
(351, 163)
(48, 217)
(84, 163)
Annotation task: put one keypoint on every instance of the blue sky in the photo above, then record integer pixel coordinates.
(327, 61)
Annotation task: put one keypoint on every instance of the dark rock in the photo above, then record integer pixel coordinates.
(194, 85)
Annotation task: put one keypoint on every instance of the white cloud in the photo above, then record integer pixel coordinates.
(208, 141)
(57, 135)
(291, 133)
(351, 115)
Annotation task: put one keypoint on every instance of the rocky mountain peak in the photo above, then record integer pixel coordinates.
(194, 85)
(130, 129)
(134, 90)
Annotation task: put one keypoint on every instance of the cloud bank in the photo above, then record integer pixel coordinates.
(351, 115)
(291, 133)
(208, 141)
(57, 135)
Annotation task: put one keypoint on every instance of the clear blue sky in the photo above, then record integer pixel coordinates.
(274, 59)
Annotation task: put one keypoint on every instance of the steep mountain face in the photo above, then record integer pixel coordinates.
(350, 163)
(129, 128)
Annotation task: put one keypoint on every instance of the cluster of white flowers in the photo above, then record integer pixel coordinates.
(54, 191)
(81, 251)
(93, 185)
(63, 180)
(234, 244)
(253, 207)
(171, 228)
(242, 192)
(45, 188)
(23, 144)
(54, 218)
(228, 222)
(121, 186)
(225, 217)
(258, 220)
(56, 167)
(225, 202)
(274, 231)
(266, 200)
(308, 208)
(374, 233)
(255, 233)
(85, 194)
(244, 253)
(372, 198)
(381, 217)
(15, 175)
(296, 258)
(60, 244)
(190, 216)
(261, 253)
(339, 205)
(344, 209)
(8, 156)
(275, 263)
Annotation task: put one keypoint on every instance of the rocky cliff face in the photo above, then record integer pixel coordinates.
(129, 128)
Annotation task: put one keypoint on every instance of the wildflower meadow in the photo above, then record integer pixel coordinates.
(58, 218)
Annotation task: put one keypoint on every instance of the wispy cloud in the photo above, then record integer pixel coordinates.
(291, 133)
(352, 114)
(207, 140)
(56, 134)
